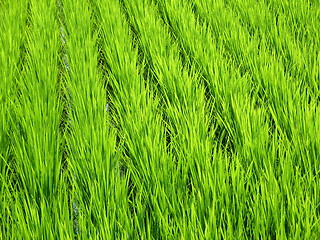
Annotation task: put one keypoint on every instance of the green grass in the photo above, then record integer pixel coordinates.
(159, 119)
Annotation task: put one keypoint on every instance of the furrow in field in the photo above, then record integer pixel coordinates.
(66, 99)
(147, 163)
(91, 141)
(186, 109)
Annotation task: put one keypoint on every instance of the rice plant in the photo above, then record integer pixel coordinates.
(159, 119)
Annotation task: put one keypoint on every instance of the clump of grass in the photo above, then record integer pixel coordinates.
(38, 195)
(11, 40)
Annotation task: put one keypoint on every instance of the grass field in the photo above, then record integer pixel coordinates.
(160, 119)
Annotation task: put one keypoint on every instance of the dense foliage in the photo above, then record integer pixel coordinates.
(160, 119)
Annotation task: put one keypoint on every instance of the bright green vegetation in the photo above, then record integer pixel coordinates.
(159, 119)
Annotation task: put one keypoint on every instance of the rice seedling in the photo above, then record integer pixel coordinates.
(35, 117)
(91, 142)
(153, 119)
(135, 105)
(11, 41)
